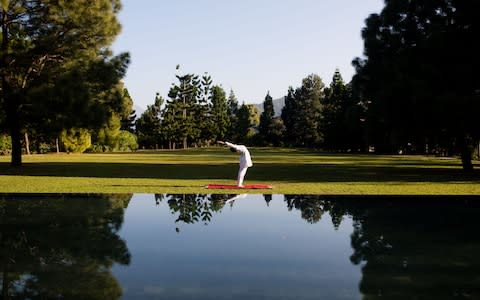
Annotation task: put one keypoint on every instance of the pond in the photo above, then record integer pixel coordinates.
(145, 246)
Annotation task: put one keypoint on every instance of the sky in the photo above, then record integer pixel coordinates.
(252, 47)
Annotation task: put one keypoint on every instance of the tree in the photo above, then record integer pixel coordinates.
(266, 120)
(232, 108)
(289, 115)
(420, 74)
(310, 97)
(219, 114)
(183, 103)
(253, 115)
(203, 111)
(277, 131)
(150, 128)
(61, 247)
(302, 111)
(335, 104)
(128, 116)
(243, 125)
(54, 59)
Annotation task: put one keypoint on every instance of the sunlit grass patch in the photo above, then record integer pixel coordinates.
(289, 171)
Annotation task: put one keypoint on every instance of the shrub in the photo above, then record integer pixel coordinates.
(126, 141)
(5, 144)
(76, 140)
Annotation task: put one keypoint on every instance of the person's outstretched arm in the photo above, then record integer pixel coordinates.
(239, 148)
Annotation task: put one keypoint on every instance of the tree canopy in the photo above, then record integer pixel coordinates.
(55, 65)
(419, 75)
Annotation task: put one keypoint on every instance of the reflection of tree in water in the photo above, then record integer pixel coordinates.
(193, 208)
(410, 248)
(312, 208)
(268, 198)
(61, 247)
(417, 249)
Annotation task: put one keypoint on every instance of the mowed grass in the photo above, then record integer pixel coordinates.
(289, 171)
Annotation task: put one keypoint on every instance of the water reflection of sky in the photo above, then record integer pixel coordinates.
(247, 250)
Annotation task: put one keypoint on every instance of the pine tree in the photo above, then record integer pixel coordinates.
(232, 108)
(219, 114)
(243, 124)
(203, 110)
(129, 115)
(266, 120)
(289, 116)
(57, 52)
(149, 127)
(302, 111)
(334, 109)
(183, 104)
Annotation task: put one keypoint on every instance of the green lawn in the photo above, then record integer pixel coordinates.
(189, 171)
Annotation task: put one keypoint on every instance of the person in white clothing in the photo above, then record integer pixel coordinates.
(245, 160)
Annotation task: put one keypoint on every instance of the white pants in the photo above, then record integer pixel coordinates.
(241, 174)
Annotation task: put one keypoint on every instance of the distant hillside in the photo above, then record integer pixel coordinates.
(278, 104)
(138, 110)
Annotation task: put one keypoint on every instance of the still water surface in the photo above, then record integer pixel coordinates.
(146, 246)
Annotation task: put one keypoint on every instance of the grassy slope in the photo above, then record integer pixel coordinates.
(188, 171)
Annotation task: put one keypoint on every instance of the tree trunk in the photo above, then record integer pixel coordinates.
(27, 144)
(466, 154)
(16, 146)
(57, 146)
(11, 107)
(15, 132)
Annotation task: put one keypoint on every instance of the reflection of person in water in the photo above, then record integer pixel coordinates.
(245, 160)
(236, 197)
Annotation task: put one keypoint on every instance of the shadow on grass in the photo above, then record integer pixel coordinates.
(305, 173)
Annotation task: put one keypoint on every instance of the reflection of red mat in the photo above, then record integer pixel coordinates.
(229, 186)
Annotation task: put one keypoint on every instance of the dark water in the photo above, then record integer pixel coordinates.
(148, 246)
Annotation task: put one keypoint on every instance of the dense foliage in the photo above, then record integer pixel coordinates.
(419, 77)
(56, 70)
(416, 89)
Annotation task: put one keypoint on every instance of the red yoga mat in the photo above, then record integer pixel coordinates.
(229, 186)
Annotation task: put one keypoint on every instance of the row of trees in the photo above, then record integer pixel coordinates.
(198, 113)
(419, 77)
(415, 90)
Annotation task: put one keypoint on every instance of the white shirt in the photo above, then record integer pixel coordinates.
(245, 159)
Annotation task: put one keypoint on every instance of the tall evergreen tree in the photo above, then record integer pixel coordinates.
(243, 125)
(149, 126)
(57, 51)
(203, 110)
(289, 115)
(129, 115)
(267, 120)
(302, 112)
(219, 114)
(183, 102)
(232, 108)
(334, 109)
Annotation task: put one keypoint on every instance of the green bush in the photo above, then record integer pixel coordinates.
(76, 140)
(126, 141)
(5, 144)
(46, 148)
